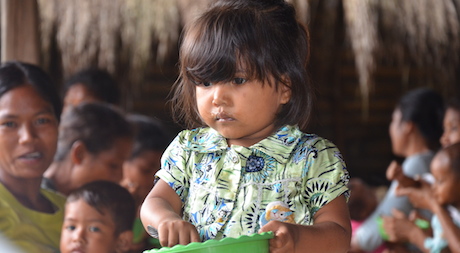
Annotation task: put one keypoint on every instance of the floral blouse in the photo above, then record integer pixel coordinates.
(225, 190)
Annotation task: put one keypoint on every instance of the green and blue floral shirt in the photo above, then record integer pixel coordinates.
(225, 190)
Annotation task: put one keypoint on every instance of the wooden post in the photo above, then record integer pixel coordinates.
(20, 36)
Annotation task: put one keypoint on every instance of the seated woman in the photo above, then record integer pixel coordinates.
(94, 141)
(30, 109)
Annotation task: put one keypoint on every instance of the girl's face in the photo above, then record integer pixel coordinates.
(445, 187)
(28, 134)
(243, 111)
(86, 230)
(138, 174)
(451, 125)
(106, 165)
(398, 133)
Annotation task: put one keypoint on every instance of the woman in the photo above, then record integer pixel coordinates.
(30, 109)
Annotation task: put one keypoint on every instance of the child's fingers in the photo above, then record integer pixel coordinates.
(398, 214)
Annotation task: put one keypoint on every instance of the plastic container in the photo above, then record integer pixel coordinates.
(256, 243)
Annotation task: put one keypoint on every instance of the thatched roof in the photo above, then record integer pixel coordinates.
(128, 34)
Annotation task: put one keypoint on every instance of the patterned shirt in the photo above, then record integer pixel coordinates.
(225, 190)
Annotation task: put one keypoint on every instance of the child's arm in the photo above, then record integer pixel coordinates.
(161, 209)
(331, 231)
(423, 198)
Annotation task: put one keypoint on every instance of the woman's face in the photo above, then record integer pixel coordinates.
(28, 134)
(451, 126)
(397, 133)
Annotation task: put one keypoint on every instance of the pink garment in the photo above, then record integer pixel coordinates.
(354, 227)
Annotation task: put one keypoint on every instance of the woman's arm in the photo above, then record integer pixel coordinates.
(331, 231)
(162, 210)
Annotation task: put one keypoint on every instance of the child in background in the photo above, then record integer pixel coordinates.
(91, 85)
(244, 84)
(415, 130)
(451, 123)
(30, 108)
(441, 198)
(150, 140)
(98, 219)
(95, 139)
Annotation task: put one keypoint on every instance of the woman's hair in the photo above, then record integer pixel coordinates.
(108, 197)
(97, 125)
(425, 108)
(264, 37)
(14, 74)
(99, 82)
(149, 134)
(454, 103)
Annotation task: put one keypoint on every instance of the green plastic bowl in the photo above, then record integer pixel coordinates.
(256, 243)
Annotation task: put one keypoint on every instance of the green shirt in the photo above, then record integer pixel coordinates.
(31, 230)
(225, 190)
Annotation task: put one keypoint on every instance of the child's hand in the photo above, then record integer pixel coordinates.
(177, 231)
(397, 226)
(285, 236)
(421, 197)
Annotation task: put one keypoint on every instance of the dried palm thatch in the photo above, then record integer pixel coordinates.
(110, 34)
(421, 32)
(127, 34)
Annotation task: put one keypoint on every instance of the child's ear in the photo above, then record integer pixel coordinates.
(78, 152)
(286, 90)
(124, 241)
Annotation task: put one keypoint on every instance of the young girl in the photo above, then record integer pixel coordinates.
(30, 109)
(441, 198)
(249, 168)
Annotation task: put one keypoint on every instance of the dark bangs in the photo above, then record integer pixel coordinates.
(219, 41)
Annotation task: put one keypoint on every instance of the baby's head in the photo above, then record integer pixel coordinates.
(445, 168)
(261, 38)
(451, 123)
(98, 218)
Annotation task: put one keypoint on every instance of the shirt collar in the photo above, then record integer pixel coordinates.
(279, 145)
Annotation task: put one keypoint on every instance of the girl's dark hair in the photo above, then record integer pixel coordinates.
(99, 82)
(14, 74)
(149, 134)
(264, 36)
(108, 197)
(425, 108)
(97, 125)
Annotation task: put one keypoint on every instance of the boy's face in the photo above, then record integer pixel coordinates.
(85, 230)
